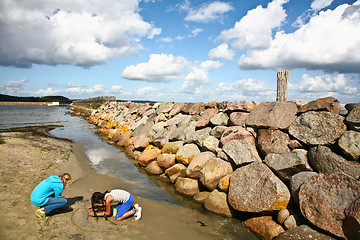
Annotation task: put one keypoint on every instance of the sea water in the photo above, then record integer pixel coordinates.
(103, 157)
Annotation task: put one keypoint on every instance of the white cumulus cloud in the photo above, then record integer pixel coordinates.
(159, 68)
(320, 4)
(197, 81)
(254, 30)
(208, 12)
(70, 32)
(329, 42)
(222, 51)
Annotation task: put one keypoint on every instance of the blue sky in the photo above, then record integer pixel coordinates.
(188, 51)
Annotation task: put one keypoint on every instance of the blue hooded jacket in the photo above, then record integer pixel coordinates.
(52, 186)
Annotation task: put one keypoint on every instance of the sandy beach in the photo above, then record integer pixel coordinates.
(28, 157)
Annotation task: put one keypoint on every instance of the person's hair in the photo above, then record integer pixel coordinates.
(95, 199)
(65, 177)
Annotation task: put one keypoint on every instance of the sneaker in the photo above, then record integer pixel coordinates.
(136, 206)
(137, 215)
(41, 214)
(114, 212)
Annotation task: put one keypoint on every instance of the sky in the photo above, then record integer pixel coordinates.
(180, 51)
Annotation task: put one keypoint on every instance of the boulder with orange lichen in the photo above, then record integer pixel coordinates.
(148, 155)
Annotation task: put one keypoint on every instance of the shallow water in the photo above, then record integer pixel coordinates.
(107, 159)
(104, 158)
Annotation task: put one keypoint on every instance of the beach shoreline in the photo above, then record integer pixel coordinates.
(28, 157)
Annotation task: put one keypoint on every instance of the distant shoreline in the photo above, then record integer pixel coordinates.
(25, 103)
(30, 103)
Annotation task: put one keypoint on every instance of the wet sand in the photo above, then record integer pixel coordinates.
(28, 157)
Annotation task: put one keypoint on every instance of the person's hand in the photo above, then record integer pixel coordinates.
(90, 207)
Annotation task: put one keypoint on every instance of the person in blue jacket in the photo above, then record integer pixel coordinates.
(47, 195)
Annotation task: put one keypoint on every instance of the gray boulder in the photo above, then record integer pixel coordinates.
(210, 143)
(349, 143)
(263, 191)
(218, 131)
(176, 109)
(241, 152)
(220, 119)
(325, 161)
(318, 128)
(303, 232)
(286, 165)
(353, 118)
(272, 115)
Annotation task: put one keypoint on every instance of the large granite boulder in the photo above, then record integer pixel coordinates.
(241, 152)
(287, 164)
(263, 191)
(272, 115)
(206, 116)
(272, 141)
(141, 142)
(217, 202)
(198, 162)
(265, 226)
(166, 160)
(172, 147)
(329, 104)
(303, 232)
(323, 199)
(353, 118)
(213, 171)
(243, 106)
(236, 132)
(218, 131)
(176, 109)
(318, 128)
(186, 153)
(210, 143)
(325, 161)
(238, 118)
(153, 168)
(220, 119)
(296, 181)
(187, 186)
(349, 143)
(178, 170)
(148, 155)
(351, 224)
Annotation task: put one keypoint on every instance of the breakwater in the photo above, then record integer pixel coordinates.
(288, 167)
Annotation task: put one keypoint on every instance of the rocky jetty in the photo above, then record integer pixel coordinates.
(289, 167)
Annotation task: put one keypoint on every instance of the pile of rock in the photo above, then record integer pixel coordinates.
(283, 163)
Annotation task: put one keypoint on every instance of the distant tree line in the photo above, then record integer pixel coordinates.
(60, 99)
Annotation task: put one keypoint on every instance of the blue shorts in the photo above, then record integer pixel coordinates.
(122, 208)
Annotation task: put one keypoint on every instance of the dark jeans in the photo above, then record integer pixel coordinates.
(54, 203)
